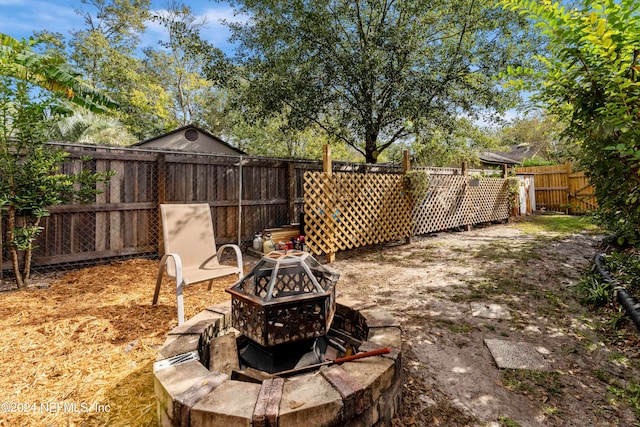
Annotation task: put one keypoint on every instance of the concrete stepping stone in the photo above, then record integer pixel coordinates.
(489, 311)
(516, 355)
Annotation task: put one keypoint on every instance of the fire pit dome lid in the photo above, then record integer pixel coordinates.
(288, 265)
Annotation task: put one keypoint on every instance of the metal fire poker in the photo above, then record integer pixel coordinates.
(376, 352)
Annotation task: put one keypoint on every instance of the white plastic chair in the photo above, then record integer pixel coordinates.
(190, 245)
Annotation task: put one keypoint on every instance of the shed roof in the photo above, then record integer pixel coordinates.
(165, 141)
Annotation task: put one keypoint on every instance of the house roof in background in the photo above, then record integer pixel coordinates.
(517, 155)
(492, 158)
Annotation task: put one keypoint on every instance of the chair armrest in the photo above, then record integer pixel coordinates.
(177, 263)
(236, 249)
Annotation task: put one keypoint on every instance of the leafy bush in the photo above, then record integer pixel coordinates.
(590, 77)
(31, 173)
(535, 161)
(592, 290)
(625, 267)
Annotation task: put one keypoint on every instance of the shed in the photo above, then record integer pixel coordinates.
(190, 138)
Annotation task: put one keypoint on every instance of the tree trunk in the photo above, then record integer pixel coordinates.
(11, 225)
(28, 255)
(371, 149)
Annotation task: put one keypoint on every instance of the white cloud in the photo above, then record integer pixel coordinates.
(20, 19)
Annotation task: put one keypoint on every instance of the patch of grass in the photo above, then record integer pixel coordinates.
(557, 223)
(453, 326)
(593, 291)
(618, 319)
(601, 375)
(619, 359)
(554, 300)
(500, 251)
(507, 422)
(552, 411)
(532, 382)
(629, 395)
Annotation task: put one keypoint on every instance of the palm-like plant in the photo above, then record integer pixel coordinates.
(19, 61)
(88, 128)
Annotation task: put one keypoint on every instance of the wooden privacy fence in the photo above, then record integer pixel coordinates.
(345, 211)
(246, 195)
(558, 188)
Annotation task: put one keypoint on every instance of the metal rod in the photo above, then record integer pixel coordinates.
(376, 352)
(240, 203)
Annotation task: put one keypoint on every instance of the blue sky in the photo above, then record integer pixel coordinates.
(20, 18)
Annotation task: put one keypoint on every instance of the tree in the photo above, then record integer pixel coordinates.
(105, 51)
(180, 66)
(88, 128)
(30, 172)
(590, 76)
(31, 177)
(540, 132)
(18, 60)
(376, 73)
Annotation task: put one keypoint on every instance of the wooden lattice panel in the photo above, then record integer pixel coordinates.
(449, 202)
(348, 210)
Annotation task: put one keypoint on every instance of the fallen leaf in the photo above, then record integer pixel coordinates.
(293, 404)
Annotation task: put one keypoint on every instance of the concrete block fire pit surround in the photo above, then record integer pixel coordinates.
(363, 392)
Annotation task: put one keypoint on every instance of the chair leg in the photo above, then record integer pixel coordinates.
(210, 285)
(159, 279)
(180, 302)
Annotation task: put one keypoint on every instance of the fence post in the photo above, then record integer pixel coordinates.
(568, 169)
(465, 173)
(1, 251)
(161, 193)
(291, 177)
(406, 167)
(329, 210)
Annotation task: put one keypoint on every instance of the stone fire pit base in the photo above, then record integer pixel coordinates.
(364, 392)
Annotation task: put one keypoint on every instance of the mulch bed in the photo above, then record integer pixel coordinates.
(81, 351)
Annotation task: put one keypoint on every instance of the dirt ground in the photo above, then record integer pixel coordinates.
(431, 286)
(83, 342)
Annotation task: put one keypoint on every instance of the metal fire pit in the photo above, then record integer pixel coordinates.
(288, 296)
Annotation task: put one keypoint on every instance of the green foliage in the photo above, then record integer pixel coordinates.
(625, 267)
(535, 161)
(532, 382)
(557, 223)
(592, 290)
(19, 61)
(449, 145)
(416, 182)
(629, 393)
(31, 177)
(508, 422)
(88, 128)
(591, 78)
(181, 64)
(513, 187)
(376, 73)
(540, 133)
